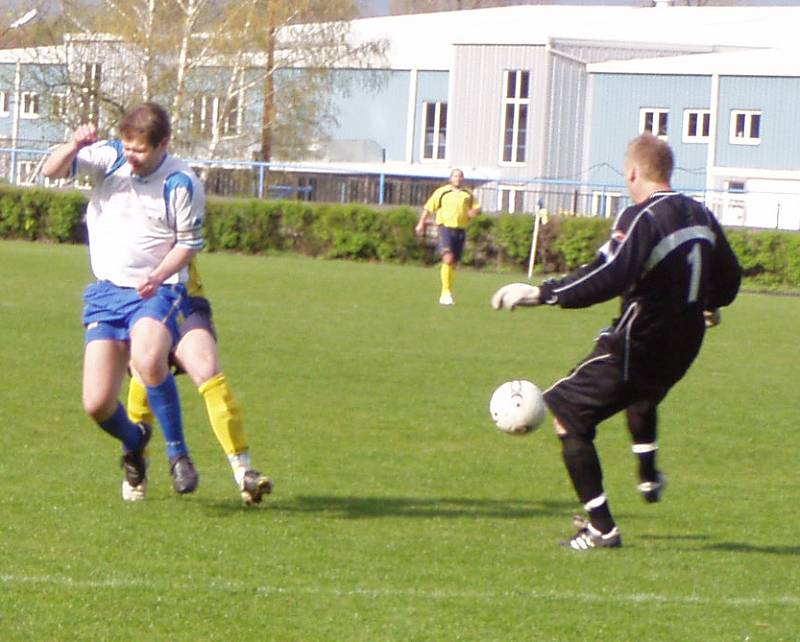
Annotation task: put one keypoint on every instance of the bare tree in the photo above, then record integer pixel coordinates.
(215, 64)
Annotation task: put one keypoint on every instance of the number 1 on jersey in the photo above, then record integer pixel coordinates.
(695, 261)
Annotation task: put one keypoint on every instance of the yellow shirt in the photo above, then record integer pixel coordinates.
(451, 205)
(194, 286)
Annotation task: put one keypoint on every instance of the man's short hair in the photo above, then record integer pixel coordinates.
(149, 120)
(652, 156)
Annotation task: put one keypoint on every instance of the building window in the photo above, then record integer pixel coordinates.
(3, 103)
(230, 124)
(90, 91)
(58, 106)
(606, 204)
(696, 125)
(30, 104)
(434, 130)
(510, 199)
(306, 188)
(745, 127)
(207, 110)
(516, 101)
(27, 171)
(654, 121)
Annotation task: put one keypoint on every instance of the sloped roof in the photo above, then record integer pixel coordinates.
(759, 62)
(426, 41)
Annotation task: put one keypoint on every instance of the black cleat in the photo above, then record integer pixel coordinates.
(134, 463)
(254, 486)
(589, 537)
(651, 490)
(184, 476)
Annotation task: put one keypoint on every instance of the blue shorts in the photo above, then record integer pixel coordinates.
(451, 239)
(110, 311)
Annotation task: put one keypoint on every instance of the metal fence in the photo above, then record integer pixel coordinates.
(733, 207)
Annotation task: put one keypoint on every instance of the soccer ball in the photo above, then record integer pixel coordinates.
(517, 407)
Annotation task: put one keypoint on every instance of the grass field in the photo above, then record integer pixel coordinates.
(399, 513)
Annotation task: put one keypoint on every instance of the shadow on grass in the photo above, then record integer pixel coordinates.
(420, 507)
(740, 547)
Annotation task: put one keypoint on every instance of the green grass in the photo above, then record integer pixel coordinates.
(400, 513)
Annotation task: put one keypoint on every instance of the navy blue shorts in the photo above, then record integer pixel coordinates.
(110, 311)
(597, 389)
(451, 239)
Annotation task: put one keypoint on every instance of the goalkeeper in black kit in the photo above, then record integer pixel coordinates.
(669, 261)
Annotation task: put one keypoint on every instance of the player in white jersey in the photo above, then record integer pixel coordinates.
(144, 222)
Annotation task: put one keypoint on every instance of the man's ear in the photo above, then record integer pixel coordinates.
(631, 173)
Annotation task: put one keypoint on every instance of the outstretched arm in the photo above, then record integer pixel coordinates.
(420, 226)
(58, 163)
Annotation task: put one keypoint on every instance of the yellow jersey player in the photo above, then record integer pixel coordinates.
(196, 354)
(454, 206)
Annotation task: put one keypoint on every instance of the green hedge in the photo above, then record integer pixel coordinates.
(41, 214)
(360, 232)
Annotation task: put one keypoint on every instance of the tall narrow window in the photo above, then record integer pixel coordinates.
(30, 104)
(510, 199)
(90, 91)
(58, 106)
(207, 110)
(231, 124)
(696, 125)
(434, 131)
(745, 127)
(3, 103)
(655, 121)
(516, 101)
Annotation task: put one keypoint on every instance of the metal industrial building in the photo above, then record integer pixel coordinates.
(536, 105)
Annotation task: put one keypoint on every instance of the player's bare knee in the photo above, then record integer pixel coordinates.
(561, 429)
(151, 367)
(98, 407)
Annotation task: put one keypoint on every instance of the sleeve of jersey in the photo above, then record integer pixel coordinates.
(185, 199)
(726, 273)
(614, 269)
(97, 160)
(432, 202)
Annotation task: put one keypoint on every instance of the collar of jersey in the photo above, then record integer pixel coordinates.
(144, 179)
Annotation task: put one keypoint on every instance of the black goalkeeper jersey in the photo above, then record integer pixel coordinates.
(669, 260)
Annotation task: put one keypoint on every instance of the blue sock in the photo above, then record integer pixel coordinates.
(118, 425)
(166, 406)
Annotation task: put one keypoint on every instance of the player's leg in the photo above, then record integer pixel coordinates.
(642, 420)
(579, 402)
(151, 342)
(138, 408)
(139, 413)
(447, 277)
(447, 266)
(103, 370)
(197, 354)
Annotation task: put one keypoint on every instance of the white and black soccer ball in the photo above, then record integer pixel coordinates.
(517, 407)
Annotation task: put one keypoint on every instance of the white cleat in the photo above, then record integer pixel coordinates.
(446, 299)
(134, 493)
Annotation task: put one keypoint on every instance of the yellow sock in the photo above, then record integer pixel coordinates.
(446, 274)
(225, 415)
(138, 408)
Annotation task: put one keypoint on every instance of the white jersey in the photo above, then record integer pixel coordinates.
(134, 221)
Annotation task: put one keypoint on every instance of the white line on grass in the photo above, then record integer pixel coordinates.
(609, 598)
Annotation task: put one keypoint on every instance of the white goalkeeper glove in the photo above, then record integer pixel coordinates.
(514, 294)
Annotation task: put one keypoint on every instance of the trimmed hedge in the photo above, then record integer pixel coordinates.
(359, 232)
